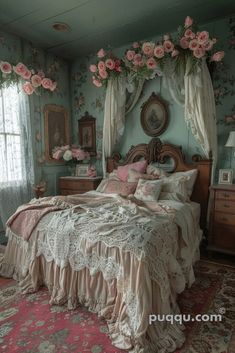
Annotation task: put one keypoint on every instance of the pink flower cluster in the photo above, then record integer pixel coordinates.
(33, 80)
(199, 43)
(70, 153)
(105, 67)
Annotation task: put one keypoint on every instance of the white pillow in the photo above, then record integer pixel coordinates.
(192, 176)
(148, 190)
(176, 185)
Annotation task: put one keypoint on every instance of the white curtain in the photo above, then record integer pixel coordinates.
(173, 81)
(114, 115)
(135, 89)
(16, 156)
(200, 112)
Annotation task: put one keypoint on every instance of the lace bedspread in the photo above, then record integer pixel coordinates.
(126, 242)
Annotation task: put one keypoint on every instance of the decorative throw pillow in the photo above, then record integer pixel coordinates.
(192, 176)
(122, 171)
(156, 171)
(133, 175)
(119, 187)
(176, 185)
(148, 190)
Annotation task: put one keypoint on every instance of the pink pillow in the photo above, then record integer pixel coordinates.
(122, 171)
(119, 187)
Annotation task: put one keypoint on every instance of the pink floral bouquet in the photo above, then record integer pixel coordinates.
(32, 80)
(108, 65)
(72, 154)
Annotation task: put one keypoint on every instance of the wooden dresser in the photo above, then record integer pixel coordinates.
(77, 185)
(222, 219)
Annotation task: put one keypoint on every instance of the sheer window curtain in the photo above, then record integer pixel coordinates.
(16, 155)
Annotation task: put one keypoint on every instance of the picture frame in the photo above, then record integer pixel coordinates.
(154, 116)
(87, 133)
(225, 176)
(56, 130)
(82, 170)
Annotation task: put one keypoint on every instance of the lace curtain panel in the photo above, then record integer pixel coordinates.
(16, 157)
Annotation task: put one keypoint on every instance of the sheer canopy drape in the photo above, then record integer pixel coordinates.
(16, 157)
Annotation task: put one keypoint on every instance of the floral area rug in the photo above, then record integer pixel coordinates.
(29, 325)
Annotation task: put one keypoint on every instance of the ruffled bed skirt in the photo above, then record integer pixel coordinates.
(105, 297)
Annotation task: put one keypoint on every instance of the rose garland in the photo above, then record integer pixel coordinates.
(145, 59)
(33, 80)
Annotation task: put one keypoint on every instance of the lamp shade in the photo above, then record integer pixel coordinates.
(231, 139)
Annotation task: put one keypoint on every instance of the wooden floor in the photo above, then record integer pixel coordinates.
(216, 256)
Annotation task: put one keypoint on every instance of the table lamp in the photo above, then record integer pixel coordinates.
(231, 142)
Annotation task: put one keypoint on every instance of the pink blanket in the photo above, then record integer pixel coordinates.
(24, 221)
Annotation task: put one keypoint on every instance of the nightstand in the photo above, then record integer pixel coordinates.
(222, 219)
(77, 185)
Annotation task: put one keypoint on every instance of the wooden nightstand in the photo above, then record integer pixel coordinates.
(222, 219)
(77, 185)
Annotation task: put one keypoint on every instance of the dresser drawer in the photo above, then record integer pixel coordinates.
(225, 195)
(224, 218)
(225, 206)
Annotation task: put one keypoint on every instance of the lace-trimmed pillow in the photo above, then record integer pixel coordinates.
(156, 171)
(119, 187)
(134, 176)
(122, 171)
(175, 185)
(148, 190)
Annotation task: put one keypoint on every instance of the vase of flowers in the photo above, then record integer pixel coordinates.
(72, 155)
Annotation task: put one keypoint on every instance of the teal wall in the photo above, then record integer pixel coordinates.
(15, 49)
(85, 96)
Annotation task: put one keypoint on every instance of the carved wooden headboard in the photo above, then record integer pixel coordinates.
(156, 151)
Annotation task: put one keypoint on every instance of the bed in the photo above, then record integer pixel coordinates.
(116, 255)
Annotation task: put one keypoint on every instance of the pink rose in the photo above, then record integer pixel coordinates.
(168, 46)
(159, 51)
(20, 69)
(101, 65)
(189, 34)
(166, 37)
(58, 154)
(147, 48)
(184, 43)
(41, 74)
(26, 75)
(175, 53)
(151, 63)
(208, 45)
(188, 22)
(28, 88)
(53, 86)
(130, 55)
(193, 44)
(199, 53)
(5, 67)
(118, 66)
(93, 68)
(101, 53)
(203, 37)
(135, 45)
(46, 83)
(137, 59)
(103, 74)
(36, 80)
(97, 82)
(218, 56)
(110, 64)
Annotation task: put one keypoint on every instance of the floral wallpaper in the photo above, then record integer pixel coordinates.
(15, 49)
(86, 97)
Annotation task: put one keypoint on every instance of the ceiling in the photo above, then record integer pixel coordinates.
(100, 23)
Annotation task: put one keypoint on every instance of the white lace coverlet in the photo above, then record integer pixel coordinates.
(118, 257)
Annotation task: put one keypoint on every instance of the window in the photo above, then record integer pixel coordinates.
(11, 164)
